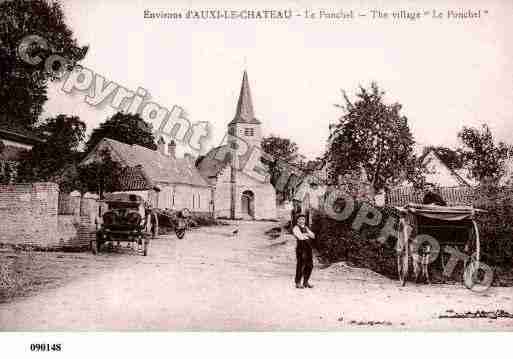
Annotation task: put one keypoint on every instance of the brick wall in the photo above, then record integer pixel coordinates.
(28, 213)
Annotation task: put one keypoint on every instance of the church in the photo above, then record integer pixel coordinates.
(236, 194)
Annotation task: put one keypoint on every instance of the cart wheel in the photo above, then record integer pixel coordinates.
(469, 273)
(94, 247)
(180, 233)
(403, 263)
(472, 266)
(402, 267)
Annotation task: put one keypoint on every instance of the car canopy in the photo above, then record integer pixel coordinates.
(443, 213)
(123, 198)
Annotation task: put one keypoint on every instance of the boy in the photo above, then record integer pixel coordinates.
(304, 256)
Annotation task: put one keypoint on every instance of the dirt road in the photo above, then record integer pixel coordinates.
(214, 280)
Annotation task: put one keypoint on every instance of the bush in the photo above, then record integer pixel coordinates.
(338, 241)
(495, 226)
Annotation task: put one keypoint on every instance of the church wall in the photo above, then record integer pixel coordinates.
(265, 196)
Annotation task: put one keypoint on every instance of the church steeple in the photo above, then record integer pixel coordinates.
(244, 112)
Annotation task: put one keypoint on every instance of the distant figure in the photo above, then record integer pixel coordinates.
(151, 220)
(304, 254)
(154, 224)
(431, 196)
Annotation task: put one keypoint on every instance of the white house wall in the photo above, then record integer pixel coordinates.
(180, 196)
(438, 173)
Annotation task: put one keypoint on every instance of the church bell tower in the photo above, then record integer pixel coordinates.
(244, 124)
(246, 127)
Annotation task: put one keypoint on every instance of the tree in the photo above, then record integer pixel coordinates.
(282, 149)
(62, 136)
(485, 159)
(23, 86)
(99, 176)
(284, 152)
(375, 136)
(124, 127)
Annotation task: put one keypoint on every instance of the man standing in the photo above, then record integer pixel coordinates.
(304, 255)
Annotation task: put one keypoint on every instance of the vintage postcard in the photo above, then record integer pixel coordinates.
(255, 166)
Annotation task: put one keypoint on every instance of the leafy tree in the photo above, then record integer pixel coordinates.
(124, 127)
(373, 135)
(99, 176)
(485, 159)
(282, 149)
(23, 86)
(62, 137)
(284, 153)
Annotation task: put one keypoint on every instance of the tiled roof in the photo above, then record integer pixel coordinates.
(155, 167)
(244, 112)
(218, 159)
(211, 165)
(9, 129)
(454, 196)
(133, 179)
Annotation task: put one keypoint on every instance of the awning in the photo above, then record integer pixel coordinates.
(455, 213)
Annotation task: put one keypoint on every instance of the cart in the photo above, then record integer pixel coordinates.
(124, 221)
(178, 221)
(454, 227)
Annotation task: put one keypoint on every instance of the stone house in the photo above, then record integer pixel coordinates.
(158, 176)
(236, 193)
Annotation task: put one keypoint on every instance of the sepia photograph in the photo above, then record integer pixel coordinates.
(271, 166)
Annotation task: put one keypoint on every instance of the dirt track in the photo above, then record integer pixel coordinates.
(213, 280)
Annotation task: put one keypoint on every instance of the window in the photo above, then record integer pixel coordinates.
(249, 132)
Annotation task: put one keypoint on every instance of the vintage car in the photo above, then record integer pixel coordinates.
(124, 221)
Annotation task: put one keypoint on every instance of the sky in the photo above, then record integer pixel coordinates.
(446, 73)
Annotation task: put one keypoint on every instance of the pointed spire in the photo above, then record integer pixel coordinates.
(244, 112)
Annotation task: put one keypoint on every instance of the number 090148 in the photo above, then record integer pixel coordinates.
(43, 347)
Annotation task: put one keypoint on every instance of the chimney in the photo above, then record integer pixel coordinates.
(161, 146)
(171, 149)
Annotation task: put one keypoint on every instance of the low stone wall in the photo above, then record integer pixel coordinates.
(29, 216)
(28, 213)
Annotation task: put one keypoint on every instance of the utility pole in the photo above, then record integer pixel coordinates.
(233, 179)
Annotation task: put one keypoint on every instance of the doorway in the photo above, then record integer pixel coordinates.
(248, 204)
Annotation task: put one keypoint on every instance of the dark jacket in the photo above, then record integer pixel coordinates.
(433, 198)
